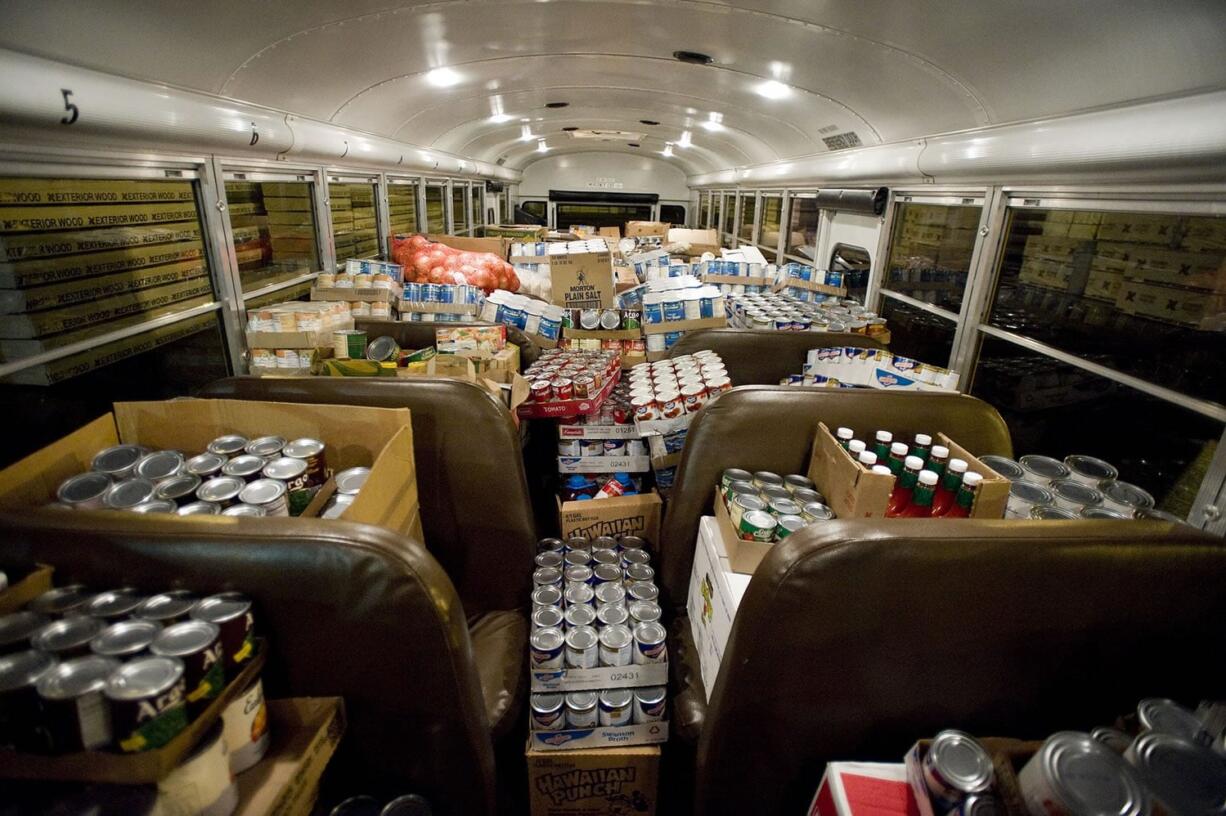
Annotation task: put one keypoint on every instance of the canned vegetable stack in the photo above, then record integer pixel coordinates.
(595, 603)
(793, 275)
(234, 476)
(605, 435)
(767, 507)
(561, 375)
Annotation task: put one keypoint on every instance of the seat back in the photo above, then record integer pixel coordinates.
(349, 610)
(475, 510)
(764, 357)
(772, 428)
(419, 335)
(857, 638)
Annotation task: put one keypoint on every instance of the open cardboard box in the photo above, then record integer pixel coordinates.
(378, 438)
(304, 734)
(743, 556)
(1008, 757)
(562, 783)
(699, 241)
(624, 515)
(498, 246)
(642, 229)
(22, 590)
(853, 491)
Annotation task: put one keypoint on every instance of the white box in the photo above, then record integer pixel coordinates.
(626, 431)
(604, 736)
(601, 677)
(715, 593)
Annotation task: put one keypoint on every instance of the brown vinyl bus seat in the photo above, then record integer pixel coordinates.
(349, 610)
(419, 335)
(764, 357)
(475, 511)
(857, 638)
(772, 428)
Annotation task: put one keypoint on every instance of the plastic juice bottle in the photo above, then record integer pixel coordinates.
(904, 485)
(898, 457)
(921, 497)
(844, 435)
(882, 446)
(961, 508)
(948, 488)
(868, 459)
(922, 447)
(938, 458)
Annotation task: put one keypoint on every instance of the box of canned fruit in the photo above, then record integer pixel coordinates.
(596, 618)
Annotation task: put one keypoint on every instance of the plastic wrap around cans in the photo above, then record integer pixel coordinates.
(546, 647)
(245, 727)
(956, 766)
(650, 704)
(1073, 773)
(548, 712)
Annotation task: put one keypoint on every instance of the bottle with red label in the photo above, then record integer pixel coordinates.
(898, 457)
(948, 488)
(904, 484)
(921, 497)
(961, 508)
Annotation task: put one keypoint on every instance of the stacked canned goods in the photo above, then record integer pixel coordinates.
(767, 507)
(673, 300)
(1079, 486)
(234, 476)
(777, 312)
(667, 389)
(299, 316)
(559, 375)
(793, 275)
(595, 603)
(127, 672)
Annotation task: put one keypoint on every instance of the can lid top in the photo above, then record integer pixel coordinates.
(207, 462)
(1044, 466)
(962, 761)
(244, 510)
(1052, 513)
(23, 668)
(19, 626)
(1129, 494)
(128, 494)
(114, 602)
(286, 467)
(230, 443)
(60, 599)
(581, 700)
(124, 638)
(1030, 492)
(159, 464)
(651, 695)
(546, 703)
(166, 605)
(262, 491)
(303, 448)
(154, 506)
(1186, 777)
(76, 677)
(265, 445)
(1088, 777)
(200, 508)
(176, 487)
(1169, 717)
(83, 487)
(549, 638)
(650, 632)
(66, 633)
(616, 636)
(351, 480)
(243, 465)
(144, 677)
(581, 637)
(117, 458)
(224, 606)
(1076, 492)
(1090, 466)
(184, 638)
(616, 697)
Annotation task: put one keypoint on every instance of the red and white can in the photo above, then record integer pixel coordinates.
(645, 408)
(563, 388)
(695, 396)
(583, 386)
(541, 391)
(671, 405)
(718, 385)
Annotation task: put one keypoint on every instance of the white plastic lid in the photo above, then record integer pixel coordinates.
(898, 449)
(882, 469)
(845, 433)
(972, 479)
(923, 439)
(868, 458)
(957, 465)
(940, 451)
(914, 463)
(855, 446)
(928, 477)
(884, 436)
(535, 307)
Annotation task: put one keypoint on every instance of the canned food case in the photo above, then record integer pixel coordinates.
(601, 677)
(560, 409)
(358, 294)
(574, 739)
(305, 734)
(626, 431)
(624, 515)
(1008, 756)
(138, 768)
(22, 590)
(810, 286)
(670, 326)
(604, 464)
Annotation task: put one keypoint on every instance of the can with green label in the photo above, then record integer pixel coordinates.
(349, 344)
(756, 525)
(148, 700)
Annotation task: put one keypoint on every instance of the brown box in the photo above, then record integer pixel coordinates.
(378, 438)
(594, 782)
(854, 491)
(624, 515)
(688, 325)
(497, 246)
(582, 280)
(743, 556)
(305, 732)
(640, 229)
(29, 587)
(617, 334)
(614, 233)
(698, 240)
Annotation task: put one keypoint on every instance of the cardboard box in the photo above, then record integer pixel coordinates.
(699, 241)
(586, 334)
(854, 491)
(667, 326)
(357, 294)
(560, 409)
(295, 339)
(741, 556)
(599, 782)
(625, 515)
(601, 677)
(810, 286)
(497, 246)
(604, 464)
(627, 431)
(864, 789)
(642, 229)
(25, 589)
(519, 232)
(613, 233)
(582, 280)
(455, 339)
(601, 737)
(378, 438)
(439, 308)
(715, 593)
(305, 732)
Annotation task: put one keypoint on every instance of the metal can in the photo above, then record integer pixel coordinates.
(1042, 470)
(955, 767)
(180, 489)
(75, 712)
(563, 388)
(614, 447)
(581, 648)
(16, 629)
(764, 478)
(166, 607)
(548, 559)
(1125, 498)
(349, 344)
(155, 506)
(550, 545)
(383, 349)
(232, 613)
(569, 447)
(1184, 777)
(613, 615)
(545, 648)
(616, 646)
(202, 782)
(642, 591)
(547, 712)
(645, 408)
(125, 639)
(606, 573)
(576, 543)
(1169, 717)
(245, 727)
(609, 592)
(20, 672)
(635, 556)
(229, 445)
(67, 638)
(1004, 466)
(293, 472)
(114, 604)
(1089, 470)
(203, 508)
(267, 493)
(783, 507)
(205, 465)
(148, 706)
(128, 494)
(546, 617)
(314, 453)
(266, 447)
(1101, 513)
(579, 594)
(644, 611)
(638, 573)
(581, 709)
(549, 595)
(198, 644)
(786, 525)
(580, 615)
(577, 574)
(756, 525)
(794, 482)
(671, 404)
(1073, 495)
(591, 447)
(1073, 773)
(61, 601)
(85, 491)
(650, 704)
(744, 503)
(650, 644)
(577, 558)
(606, 556)
(1113, 738)
(547, 576)
(1024, 497)
(741, 489)
(632, 542)
(349, 482)
(118, 461)
(615, 707)
(979, 804)
(246, 466)
(159, 465)
(1049, 513)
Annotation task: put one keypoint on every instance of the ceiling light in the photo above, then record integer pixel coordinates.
(556, 104)
(772, 89)
(684, 141)
(499, 118)
(443, 78)
(525, 133)
(541, 147)
(667, 151)
(694, 57)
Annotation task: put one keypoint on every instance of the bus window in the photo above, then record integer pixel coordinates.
(274, 230)
(854, 262)
(354, 227)
(402, 207)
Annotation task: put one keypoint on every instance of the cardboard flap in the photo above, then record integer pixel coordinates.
(851, 489)
(993, 494)
(389, 497)
(32, 481)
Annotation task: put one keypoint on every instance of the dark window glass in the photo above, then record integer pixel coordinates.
(536, 208)
(672, 214)
(354, 226)
(274, 230)
(854, 262)
(729, 213)
(436, 219)
(704, 210)
(1055, 409)
(478, 198)
(802, 228)
(1143, 294)
(402, 208)
(748, 204)
(772, 213)
(918, 334)
(459, 216)
(930, 252)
